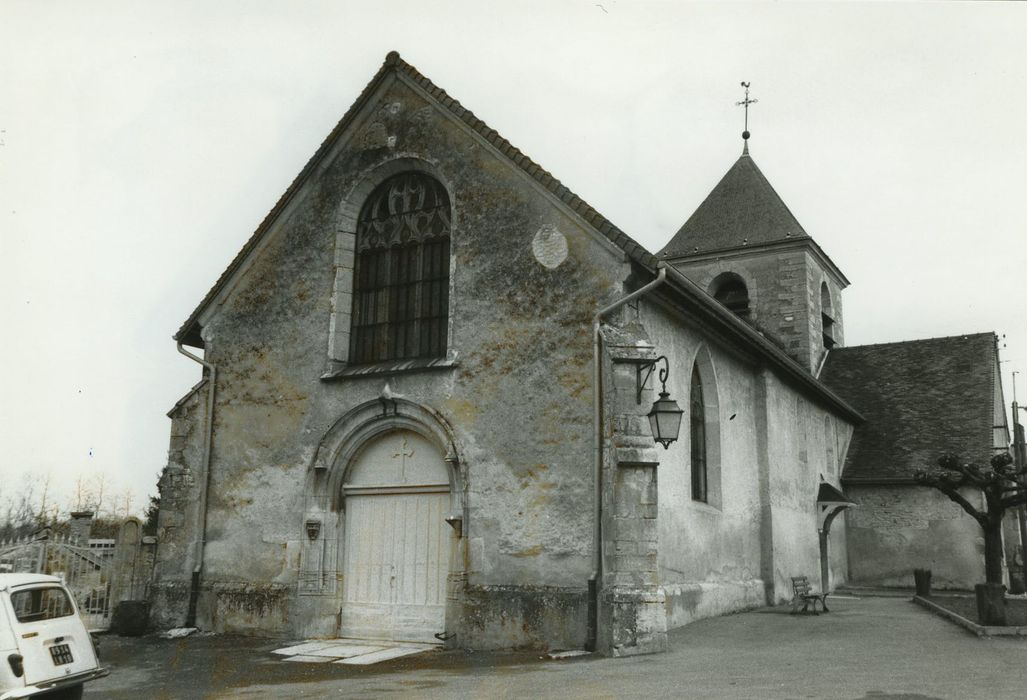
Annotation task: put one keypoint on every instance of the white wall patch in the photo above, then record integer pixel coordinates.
(549, 246)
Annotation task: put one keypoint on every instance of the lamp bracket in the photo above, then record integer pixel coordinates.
(646, 368)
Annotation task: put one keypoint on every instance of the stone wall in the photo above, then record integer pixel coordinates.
(178, 520)
(804, 443)
(767, 447)
(784, 295)
(512, 408)
(899, 528)
(526, 276)
(632, 616)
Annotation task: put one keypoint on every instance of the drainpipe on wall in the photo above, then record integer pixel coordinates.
(597, 476)
(208, 435)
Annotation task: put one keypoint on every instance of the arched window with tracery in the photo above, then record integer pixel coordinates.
(401, 275)
(731, 291)
(697, 436)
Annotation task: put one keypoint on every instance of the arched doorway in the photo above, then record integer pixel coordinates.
(395, 540)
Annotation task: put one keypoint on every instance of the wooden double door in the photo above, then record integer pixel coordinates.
(396, 543)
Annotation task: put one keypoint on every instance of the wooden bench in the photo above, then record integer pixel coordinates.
(803, 593)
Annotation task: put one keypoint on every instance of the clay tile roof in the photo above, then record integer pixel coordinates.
(742, 210)
(920, 398)
(189, 332)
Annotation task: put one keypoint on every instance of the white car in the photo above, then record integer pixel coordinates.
(45, 648)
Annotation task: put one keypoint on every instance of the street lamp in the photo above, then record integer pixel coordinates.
(665, 415)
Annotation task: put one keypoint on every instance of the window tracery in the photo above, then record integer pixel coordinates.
(401, 276)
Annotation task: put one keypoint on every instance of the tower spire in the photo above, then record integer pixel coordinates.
(745, 103)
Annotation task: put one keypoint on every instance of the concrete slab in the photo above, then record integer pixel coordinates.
(568, 654)
(308, 659)
(381, 655)
(344, 651)
(304, 648)
(358, 652)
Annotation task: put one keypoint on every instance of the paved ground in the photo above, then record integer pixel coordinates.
(872, 648)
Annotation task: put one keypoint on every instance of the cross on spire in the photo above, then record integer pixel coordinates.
(746, 102)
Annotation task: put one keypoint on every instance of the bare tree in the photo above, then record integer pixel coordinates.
(92, 492)
(19, 511)
(124, 508)
(100, 484)
(1002, 492)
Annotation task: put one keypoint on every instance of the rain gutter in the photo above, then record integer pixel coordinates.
(200, 544)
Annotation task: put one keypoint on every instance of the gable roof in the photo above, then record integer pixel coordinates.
(920, 398)
(743, 210)
(189, 333)
(699, 302)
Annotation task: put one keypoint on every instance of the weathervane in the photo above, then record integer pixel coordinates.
(746, 102)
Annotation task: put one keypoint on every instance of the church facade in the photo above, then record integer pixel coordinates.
(423, 413)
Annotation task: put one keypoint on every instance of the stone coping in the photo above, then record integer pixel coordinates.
(979, 630)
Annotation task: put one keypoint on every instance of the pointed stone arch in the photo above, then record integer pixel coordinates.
(346, 218)
(344, 442)
(353, 490)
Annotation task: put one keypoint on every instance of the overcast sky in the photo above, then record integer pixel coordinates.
(141, 144)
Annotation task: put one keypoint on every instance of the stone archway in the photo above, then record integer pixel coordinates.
(390, 490)
(346, 216)
(394, 540)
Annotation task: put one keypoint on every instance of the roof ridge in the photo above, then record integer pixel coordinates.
(393, 62)
(914, 340)
(920, 398)
(622, 240)
(188, 332)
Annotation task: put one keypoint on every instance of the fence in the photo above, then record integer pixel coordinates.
(99, 573)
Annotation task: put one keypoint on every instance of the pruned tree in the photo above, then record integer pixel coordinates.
(1002, 492)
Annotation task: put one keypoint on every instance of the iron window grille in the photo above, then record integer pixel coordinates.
(401, 276)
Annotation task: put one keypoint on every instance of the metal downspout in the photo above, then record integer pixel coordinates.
(597, 476)
(208, 435)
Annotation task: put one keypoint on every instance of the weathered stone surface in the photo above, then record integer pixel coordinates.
(510, 407)
(899, 528)
(634, 621)
(538, 617)
(521, 351)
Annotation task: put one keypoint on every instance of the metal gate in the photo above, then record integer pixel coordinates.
(88, 571)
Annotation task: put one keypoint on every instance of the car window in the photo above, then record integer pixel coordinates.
(35, 604)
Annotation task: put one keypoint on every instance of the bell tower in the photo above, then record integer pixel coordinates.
(749, 252)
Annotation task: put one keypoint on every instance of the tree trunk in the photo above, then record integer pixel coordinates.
(991, 603)
(993, 553)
